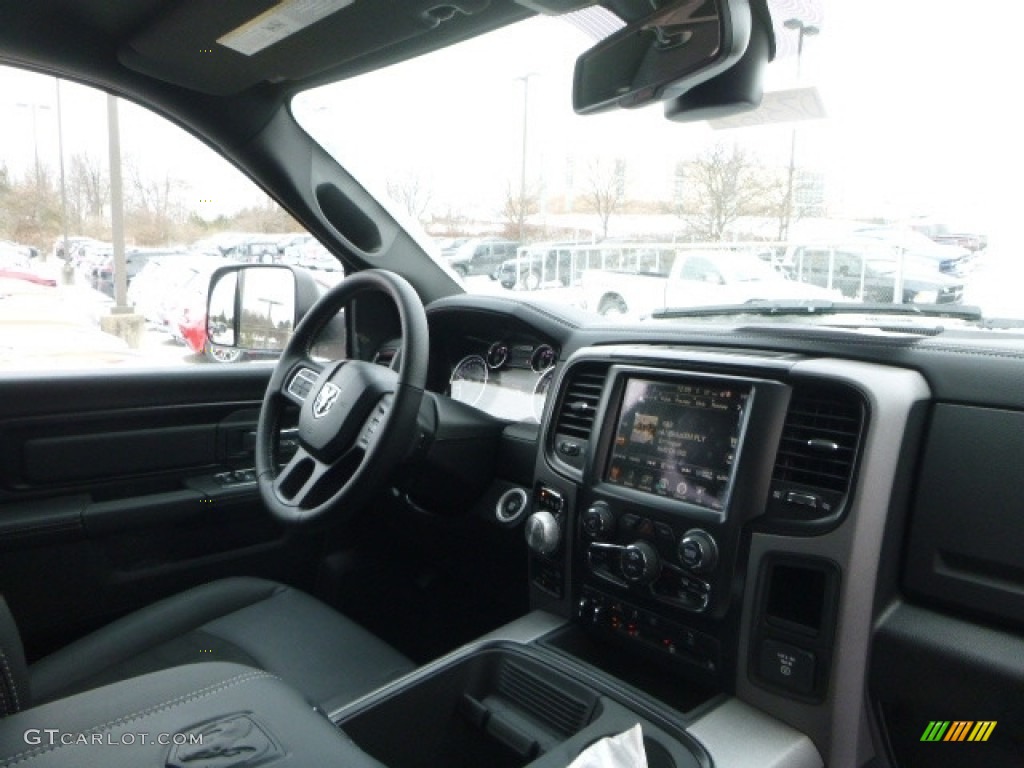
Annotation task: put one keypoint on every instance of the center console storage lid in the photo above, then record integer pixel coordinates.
(195, 715)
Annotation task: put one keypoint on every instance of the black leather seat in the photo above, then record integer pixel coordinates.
(319, 652)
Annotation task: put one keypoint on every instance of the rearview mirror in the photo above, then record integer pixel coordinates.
(663, 55)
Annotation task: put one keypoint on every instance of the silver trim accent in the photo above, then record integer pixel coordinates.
(305, 374)
(739, 736)
(499, 507)
(325, 398)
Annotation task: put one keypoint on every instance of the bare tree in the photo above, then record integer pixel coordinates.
(606, 188)
(723, 184)
(519, 206)
(452, 221)
(411, 193)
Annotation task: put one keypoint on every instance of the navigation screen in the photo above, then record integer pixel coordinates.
(677, 440)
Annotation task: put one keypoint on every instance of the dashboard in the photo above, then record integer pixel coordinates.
(785, 516)
(496, 364)
(508, 379)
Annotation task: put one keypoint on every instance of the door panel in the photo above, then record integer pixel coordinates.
(118, 489)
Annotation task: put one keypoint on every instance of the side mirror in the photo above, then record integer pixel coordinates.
(255, 307)
(663, 55)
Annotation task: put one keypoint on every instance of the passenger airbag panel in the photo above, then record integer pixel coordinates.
(967, 527)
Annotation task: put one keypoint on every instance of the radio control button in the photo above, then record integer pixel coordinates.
(697, 551)
(640, 563)
(598, 521)
(664, 533)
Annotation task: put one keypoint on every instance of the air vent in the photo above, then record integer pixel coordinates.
(578, 408)
(560, 711)
(814, 463)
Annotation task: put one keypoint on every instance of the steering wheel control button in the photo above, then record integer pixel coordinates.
(543, 533)
(787, 666)
(511, 506)
(302, 383)
(697, 551)
(640, 563)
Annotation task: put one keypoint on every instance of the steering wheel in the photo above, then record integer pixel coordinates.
(357, 419)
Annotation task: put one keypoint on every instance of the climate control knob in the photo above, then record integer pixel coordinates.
(697, 551)
(598, 521)
(543, 533)
(640, 563)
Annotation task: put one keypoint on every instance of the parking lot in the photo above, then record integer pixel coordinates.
(59, 326)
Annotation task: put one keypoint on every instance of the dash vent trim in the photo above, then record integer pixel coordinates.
(577, 409)
(820, 438)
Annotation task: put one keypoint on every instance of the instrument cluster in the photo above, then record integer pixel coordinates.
(508, 378)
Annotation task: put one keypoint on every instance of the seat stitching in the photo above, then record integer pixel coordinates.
(277, 590)
(10, 680)
(3, 702)
(184, 698)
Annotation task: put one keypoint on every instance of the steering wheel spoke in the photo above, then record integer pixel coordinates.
(356, 419)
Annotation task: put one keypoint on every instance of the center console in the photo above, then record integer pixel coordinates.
(663, 468)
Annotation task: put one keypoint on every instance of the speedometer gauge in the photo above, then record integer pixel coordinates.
(497, 355)
(540, 393)
(469, 380)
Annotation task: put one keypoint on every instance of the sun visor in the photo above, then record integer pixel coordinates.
(226, 47)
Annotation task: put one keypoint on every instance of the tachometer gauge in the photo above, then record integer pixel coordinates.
(469, 380)
(540, 393)
(497, 355)
(543, 357)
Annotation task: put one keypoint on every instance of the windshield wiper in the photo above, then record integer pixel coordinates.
(817, 307)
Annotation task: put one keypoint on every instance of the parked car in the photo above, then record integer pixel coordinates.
(691, 278)
(480, 257)
(134, 259)
(951, 259)
(157, 290)
(942, 233)
(868, 276)
(14, 255)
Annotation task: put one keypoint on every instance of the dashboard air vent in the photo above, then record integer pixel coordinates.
(578, 408)
(814, 463)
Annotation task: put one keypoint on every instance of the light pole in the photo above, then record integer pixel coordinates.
(63, 185)
(35, 135)
(522, 171)
(803, 30)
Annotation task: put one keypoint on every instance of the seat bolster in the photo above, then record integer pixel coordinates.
(143, 630)
(14, 684)
(198, 714)
(325, 655)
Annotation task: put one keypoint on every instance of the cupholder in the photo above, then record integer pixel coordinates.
(657, 755)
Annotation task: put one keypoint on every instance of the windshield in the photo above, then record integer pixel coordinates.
(871, 132)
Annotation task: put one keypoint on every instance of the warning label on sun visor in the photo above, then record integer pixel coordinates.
(279, 22)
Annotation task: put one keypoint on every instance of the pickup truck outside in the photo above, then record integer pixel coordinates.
(667, 278)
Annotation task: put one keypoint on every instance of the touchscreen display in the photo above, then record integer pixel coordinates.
(677, 439)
